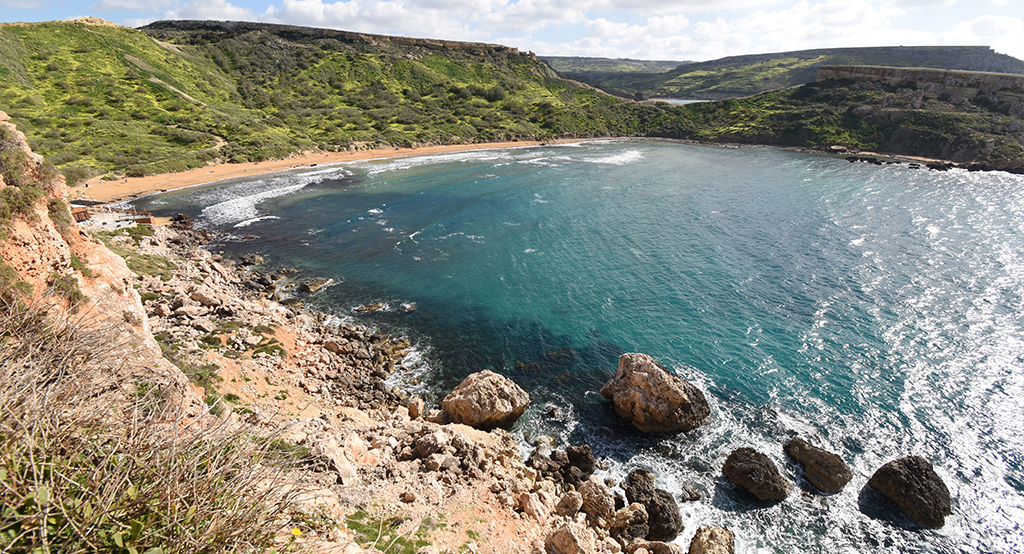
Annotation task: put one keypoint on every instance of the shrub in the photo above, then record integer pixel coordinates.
(66, 286)
(72, 481)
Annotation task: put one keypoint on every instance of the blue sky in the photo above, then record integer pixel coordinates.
(643, 29)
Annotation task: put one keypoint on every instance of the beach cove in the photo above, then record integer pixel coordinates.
(800, 291)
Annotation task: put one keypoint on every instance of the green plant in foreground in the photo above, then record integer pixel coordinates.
(73, 481)
(385, 534)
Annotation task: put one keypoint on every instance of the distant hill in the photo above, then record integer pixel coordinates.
(739, 76)
(583, 65)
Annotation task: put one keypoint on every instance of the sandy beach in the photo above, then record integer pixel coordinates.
(98, 190)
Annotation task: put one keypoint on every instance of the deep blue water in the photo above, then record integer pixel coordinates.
(875, 311)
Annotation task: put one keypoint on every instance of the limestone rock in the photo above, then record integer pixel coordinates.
(654, 547)
(416, 407)
(653, 399)
(486, 400)
(630, 523)
(315, 284)
(915, 487)
(571, 538)
(248, 258)
(598, 501)
(663, 516)
(755, 472)
(825, 470)
(570, 504)
(713, 540)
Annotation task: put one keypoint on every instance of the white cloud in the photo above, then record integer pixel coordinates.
(421, 19)
(1003, 34)
(140, 5)
(210, 9)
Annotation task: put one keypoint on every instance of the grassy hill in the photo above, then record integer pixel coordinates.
(102, 99)
(739, 76)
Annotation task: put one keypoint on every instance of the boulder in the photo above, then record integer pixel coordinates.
(654, 399)
(663, 516)
(654, 547)
(571, 538)
(753, 471)
(486, 400)
(313, 285)
(915, 487)
(825, 470)
(630, 523)
(416, 407)
(713, 540)
(244, 259)
(569, 505)
(598, 502)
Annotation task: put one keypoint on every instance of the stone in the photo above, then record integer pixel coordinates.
(581, 464)
(315, 284)
(205, 325)
(654, 547)
(689, 494)
(205, 296)
(571, 538)
(532, 504)
(249, 258)
(914, 486)
(416, 407)
(630, 523)
(663, 516)
(409, 495)
(430, 443)
(598, 501)
(713, 540)
(486, 400)
(756, 473)
(653, 399)
(569, 505)
(825, 470)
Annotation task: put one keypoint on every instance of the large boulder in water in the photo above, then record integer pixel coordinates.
(915, 487)
(663, 515)
(823, 469)
(652, 398)
(755, 472)
(486, 400)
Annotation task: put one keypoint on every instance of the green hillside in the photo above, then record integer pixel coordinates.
(740, 76)
(106, 100)
(101, 98)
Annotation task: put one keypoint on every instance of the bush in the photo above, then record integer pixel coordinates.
(66, 286)
(72, 481)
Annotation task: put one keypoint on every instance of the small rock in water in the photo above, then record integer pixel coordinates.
(755, 472)
(825, 470)
(313, 285)
(915, 487)
(370, 307)
(409, 307)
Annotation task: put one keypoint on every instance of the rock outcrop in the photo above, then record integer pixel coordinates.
(486, 400)
(654, 399)
(825, 470)
(571, 538)
(914, 486)
(713, 540)
(663, 515)
(756, 473)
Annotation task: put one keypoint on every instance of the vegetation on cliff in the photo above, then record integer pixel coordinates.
(102, 99)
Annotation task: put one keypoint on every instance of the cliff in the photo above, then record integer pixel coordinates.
(933, 82)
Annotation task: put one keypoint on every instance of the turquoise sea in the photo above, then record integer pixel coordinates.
(877, 311)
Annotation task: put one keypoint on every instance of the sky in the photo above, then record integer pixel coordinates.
(678, 30)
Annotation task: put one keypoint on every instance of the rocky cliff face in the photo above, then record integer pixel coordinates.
(61, 267)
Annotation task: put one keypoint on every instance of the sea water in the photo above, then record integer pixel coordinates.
(875, 311)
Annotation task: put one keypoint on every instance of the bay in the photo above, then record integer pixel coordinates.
(875, 311)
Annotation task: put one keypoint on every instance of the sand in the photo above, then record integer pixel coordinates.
(96, 189)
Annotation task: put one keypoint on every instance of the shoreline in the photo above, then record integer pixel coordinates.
(106, 192)
(98, 190)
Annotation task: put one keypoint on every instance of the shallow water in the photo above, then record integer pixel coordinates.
(875, 311)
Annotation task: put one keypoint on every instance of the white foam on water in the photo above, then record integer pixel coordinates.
(624, 158)
(249, 222)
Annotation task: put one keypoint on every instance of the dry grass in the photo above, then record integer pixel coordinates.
(75, 477)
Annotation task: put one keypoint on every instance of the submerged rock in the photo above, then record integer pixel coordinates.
(915, 487)
(825, 470)
(486, 400)
(755, 472)
(653, 399)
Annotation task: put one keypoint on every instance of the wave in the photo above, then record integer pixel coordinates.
(249, 222)
(624, 158)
